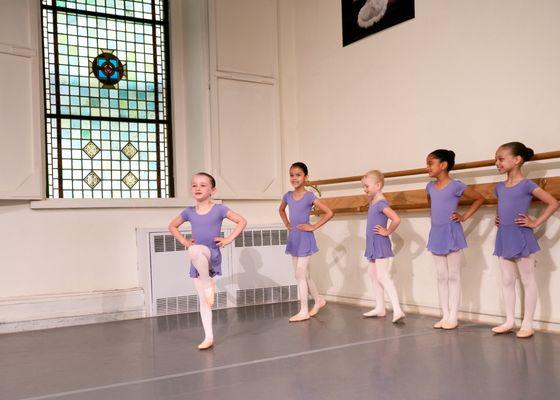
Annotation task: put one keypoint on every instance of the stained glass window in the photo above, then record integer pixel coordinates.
(107, 98)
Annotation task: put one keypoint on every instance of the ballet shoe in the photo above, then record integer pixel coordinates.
(449, 325)
(439, 324)
(206, 344)
(317, 306)
(525, 333)
(299, 317)
(209, 294)
(398, 317)
(502, 329)
(374, 313)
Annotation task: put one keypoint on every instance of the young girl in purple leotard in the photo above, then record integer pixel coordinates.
(446, 239)
(515, 240)
(378, 245)
(301, 241)
(204, 248)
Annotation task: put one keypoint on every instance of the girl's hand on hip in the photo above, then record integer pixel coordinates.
(524, 220)
(455, 216)
(222, 242)
(380, 230)
(306, 227)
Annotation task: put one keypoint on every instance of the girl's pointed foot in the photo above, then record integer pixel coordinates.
(374, 313)
(502, 329)
(299, 317)
(206, 344)
(319, 303)
(397, 317)
(525, 333)
(439, 324)
(449, 325)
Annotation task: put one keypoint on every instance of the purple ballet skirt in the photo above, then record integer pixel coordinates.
(446, 236)
(377, 246)
(512, 240)
(300, 243)
(205, 228)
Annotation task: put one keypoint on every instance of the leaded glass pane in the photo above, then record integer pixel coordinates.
(142, 9)
(106, 98)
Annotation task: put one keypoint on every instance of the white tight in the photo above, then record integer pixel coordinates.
(448, 269)
(382, 282)
(200, 258)
(304, 282)
(526, 267)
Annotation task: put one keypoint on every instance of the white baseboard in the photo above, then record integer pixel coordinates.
(545, 326)
(52, 311)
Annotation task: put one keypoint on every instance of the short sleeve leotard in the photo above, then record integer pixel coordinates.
(205, 228)
(512, 240)
(377, 246)
(446, 235)
(300, 243)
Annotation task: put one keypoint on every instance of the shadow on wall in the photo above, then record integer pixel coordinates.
(475, 262)
(407, 247)
(546, 264)
(345, 266)
(249, 275)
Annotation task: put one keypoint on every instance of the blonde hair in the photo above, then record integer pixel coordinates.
(376, 176)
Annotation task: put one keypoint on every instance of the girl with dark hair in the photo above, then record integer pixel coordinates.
(446, 239)
(301, 241)
(204, 249)
(516, 244)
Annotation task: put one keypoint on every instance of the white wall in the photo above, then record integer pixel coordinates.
(461, 75)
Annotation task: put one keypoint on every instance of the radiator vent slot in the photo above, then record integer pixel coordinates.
(293, 293)
(167, 243)
(259, 295)
(285, 293)
(265, 237)
(240, 298)
(158, 244)
(249, 297)
(267, 295)
(182, 304)
(186, 304)
(221, 300)
(192, 303)
(276, 294)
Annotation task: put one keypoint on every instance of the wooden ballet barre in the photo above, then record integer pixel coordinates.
(419, 171)
(417, 200)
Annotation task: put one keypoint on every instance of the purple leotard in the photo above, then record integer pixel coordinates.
(300, 243)
(512, 240)
(205, 228)
(446, 236)
(377, 246)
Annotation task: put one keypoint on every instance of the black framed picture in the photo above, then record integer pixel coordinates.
(361, 18)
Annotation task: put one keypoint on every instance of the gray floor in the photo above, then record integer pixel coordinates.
(259, 355)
